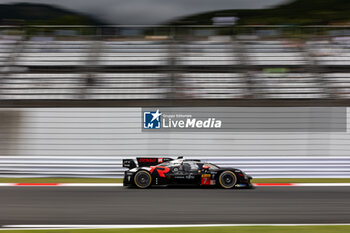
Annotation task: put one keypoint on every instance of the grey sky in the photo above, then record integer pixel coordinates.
(150, 11)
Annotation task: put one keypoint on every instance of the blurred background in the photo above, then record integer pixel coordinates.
(75, 74)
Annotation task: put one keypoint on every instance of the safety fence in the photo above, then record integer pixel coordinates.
(111, 166)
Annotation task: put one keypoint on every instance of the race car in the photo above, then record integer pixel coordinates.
(168, 171)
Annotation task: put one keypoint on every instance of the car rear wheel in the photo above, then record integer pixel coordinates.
(227, 179)
(143, 179)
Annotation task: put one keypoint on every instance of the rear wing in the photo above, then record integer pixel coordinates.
(129, 163)
(144, 162)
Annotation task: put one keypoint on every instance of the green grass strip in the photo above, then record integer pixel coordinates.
(240, 229)
(61, 180)
(302, 180)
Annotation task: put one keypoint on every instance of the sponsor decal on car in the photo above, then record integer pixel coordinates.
(160, 169)
(205, 179)
(190, 177)
(147, 160)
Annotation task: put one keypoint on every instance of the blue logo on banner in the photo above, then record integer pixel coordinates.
(151, 120)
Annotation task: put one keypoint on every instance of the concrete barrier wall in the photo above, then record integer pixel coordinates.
(40, 135)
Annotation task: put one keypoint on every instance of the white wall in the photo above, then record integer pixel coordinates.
(117, 132)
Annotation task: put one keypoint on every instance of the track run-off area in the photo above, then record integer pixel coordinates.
(119, 205)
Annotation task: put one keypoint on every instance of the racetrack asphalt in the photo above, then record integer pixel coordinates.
(119, 205)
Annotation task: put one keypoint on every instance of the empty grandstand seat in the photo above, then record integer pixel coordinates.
(290, 85)
(338, 84)
(273, 53)
(133, 53)
(54, 53)
(6, 50)
(207, 53)
(81, 86)
(41, 86)
(129, 86)
(329, 52)
(211, 85)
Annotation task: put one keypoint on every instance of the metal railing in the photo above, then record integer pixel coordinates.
(109, 166)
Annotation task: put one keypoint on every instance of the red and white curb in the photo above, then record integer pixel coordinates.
(63, 184)
(52, 227)
(119, 184)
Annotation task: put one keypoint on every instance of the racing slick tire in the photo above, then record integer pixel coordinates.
(143, 179)
(227, 180)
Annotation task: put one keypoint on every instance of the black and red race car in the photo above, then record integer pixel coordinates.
(167, 171)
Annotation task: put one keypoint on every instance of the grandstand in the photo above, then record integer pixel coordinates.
(234, 67)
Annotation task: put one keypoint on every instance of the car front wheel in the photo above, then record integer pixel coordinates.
(227, 179)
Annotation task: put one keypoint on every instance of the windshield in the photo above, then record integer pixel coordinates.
(165, 164)
(211, 166)
(170, 163)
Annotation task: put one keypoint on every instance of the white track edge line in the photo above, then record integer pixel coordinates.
(120, 185)
(52, 227)
(321, 184)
